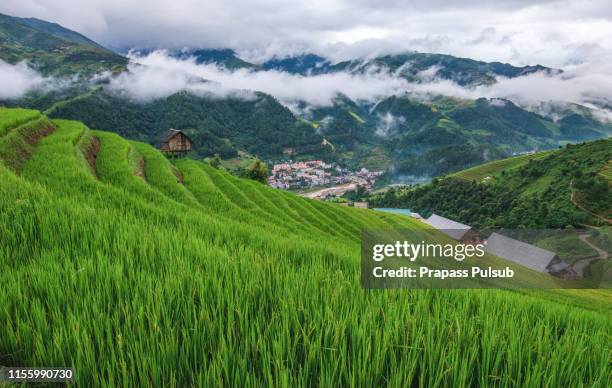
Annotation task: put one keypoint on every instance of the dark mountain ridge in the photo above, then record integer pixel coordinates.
(53, 50)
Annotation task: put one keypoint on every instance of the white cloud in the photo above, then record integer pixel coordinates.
(16, 80)
(580, 84)
(550, 32)
(159, 75)
(388, 123)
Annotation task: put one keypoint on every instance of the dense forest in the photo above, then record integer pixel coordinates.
(259, 125)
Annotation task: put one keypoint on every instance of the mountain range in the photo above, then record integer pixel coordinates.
(403, 133)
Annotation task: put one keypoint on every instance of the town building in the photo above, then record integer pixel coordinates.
(317, 173)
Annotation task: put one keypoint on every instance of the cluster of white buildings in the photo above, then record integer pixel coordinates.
(317, 173)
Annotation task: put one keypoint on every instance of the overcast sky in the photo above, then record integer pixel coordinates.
(550, 32)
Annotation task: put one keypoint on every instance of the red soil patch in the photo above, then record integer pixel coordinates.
(33, 138)
(91, 154)
(23, 147)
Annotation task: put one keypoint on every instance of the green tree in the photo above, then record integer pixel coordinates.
(257, 171)
(215, 161)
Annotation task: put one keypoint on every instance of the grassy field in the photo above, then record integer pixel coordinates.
(11, 118)
(491, 169)
(184, 275)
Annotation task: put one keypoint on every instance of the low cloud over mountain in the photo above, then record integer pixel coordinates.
(158, 75)
(17, 80)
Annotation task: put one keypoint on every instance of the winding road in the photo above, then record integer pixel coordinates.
(581, 265)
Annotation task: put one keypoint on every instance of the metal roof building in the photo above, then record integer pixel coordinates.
(524, 254)
(454, 229)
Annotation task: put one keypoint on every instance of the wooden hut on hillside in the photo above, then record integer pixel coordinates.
(175, 142)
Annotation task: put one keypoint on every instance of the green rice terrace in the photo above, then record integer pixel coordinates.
(141, 271)
(494, 168)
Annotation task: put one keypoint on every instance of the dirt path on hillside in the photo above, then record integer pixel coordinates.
(582, 264)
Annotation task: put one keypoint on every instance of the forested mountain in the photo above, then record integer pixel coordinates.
(57, 31)
(223, 57)
(54, 50)
(302, 64)
(464, 71)
(444, 134)
(260, 125)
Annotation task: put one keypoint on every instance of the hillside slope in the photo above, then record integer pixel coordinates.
(491, 169)
(54, 50)
(555, 189)
(138, 271)
(259, 125)
(432, 138)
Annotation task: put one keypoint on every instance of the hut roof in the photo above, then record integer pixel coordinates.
(522, 253)
(452, 228)
(169, 134)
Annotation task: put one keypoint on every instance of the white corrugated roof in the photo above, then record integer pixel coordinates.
(452, 228)
(519, 252)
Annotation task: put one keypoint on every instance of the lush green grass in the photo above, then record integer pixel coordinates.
(491, 169)
(19, 131)
(11, 118)
(195, 277)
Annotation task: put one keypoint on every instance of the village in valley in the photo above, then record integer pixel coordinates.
(303, 175)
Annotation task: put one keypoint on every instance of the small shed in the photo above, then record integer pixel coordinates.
(175, 142)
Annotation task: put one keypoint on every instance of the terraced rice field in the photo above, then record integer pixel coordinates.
(139, 271)
(480, 172)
